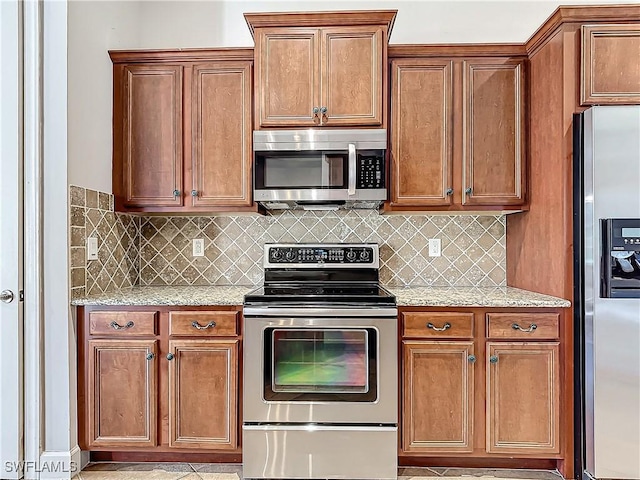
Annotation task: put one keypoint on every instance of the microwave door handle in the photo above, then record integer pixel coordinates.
(352, 169)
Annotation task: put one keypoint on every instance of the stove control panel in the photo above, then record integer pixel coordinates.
(314, 254)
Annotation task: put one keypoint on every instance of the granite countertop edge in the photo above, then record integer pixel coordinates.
(405, 297)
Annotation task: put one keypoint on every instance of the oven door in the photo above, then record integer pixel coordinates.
(320, 370)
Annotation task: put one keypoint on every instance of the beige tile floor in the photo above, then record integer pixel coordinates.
(217, 471)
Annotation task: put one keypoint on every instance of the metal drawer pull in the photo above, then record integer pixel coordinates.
(531, 328)
(471, 358)
(195, 324)
(150, 356)
(170, 356)
(116, 326)
(433, 327)
(493, 359)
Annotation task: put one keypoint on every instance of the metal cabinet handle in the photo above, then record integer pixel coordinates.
(471, 358)
(176, 193)
(468, 191)
(449, 191)
(194, 193)
(531, 328)
(150, 356)
(170, 356)
(323, 110)
(116, 326)
(444, 327)
(195, 324)
(493, 359)
(316, 110)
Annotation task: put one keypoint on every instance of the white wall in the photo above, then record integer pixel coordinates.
(94, 27)
(97, 26)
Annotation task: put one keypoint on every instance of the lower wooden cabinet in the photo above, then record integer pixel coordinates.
(481, 382)
(122, 393)
(159, 379)
(523, 387)
(438, 395)
(203, 401)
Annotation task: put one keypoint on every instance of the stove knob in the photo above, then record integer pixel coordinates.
(276, 254)
(290, 255)
(351, 255)
(365, 255)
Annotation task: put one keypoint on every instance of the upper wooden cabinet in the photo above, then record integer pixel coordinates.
(220, 135)
(320, 69)
(493, 132)
(610, 70)
(182, 130)
(458, 133)
(150, 123)
(422, 132)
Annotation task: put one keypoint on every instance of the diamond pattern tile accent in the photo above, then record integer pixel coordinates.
(473, 247)
(158, 250)
(118, 263)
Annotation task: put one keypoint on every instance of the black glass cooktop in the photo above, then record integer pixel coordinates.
(320, 294)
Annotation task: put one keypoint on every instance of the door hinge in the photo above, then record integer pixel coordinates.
(21, 296)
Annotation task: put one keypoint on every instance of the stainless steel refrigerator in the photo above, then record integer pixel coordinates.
(607, 292)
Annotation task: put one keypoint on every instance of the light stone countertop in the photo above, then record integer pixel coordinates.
(170, 295)
(405, 296)
(474, 297)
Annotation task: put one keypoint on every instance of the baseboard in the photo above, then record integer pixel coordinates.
(59, 465)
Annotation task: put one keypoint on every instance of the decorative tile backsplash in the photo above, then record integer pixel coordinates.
(158, 250)
(118, 264)
(473, 247)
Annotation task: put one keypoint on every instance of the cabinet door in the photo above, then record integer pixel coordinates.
(351, 69)
(493, 132)
(610, 64)
(421, 132)
(437, 413)
(152, 135)
(523, 398)
(122, 393)
(221, 134)
(287, 76)
(203, 393)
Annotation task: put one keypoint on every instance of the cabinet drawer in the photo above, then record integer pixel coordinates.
(435, 324)
(203, 324)
(523, 325)
(122, 323)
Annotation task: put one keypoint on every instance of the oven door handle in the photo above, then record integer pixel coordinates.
(307, 312)
(352, 169)
(327, 427)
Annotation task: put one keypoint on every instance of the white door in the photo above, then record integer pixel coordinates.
(11, 364)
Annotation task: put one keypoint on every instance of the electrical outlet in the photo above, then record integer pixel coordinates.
(434, 247)
(92, 248)
(198, 247)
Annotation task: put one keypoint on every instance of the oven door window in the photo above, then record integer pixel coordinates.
(293, 170)
(320, 364)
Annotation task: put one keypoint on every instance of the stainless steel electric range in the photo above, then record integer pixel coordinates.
(320, 392)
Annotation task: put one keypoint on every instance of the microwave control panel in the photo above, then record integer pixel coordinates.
(370, 172)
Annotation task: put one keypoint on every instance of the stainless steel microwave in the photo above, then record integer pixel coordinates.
(318, 168)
